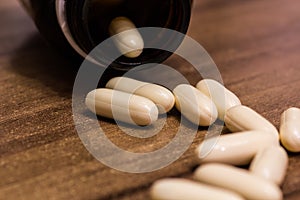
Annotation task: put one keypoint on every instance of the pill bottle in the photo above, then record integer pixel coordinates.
(77, 26)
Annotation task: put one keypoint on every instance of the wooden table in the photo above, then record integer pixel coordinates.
(255, 44)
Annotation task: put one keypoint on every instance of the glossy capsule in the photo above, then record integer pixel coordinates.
(270, 163)
(126, 37)
(235, 149)
(161, 96)
(219, 94)
(243, 118)
(290, 129)
(122, 106)
(238, 180)
(194, 105)
(181, 189)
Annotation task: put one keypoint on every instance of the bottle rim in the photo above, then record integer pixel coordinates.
(78, 9)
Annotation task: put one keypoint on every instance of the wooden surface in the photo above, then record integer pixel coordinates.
(256, 45)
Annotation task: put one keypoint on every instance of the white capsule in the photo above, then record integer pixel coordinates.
(235, 149)
(270, 163)
(161, 96)
(122, 106)
(127, 38)
(243, 118)
(290, 129)
(181, 189)
(194, 105)
(220, 95)
(238, 180)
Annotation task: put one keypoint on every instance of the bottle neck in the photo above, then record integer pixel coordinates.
(85, 25)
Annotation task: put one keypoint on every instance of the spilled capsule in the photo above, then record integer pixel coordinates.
(238, 180)
(219, 94)
(270, 163)
(161, 96)
(235, 149)
(194, 105)
(122, 106)
(290, 129)
(179, 189)
(243, 118)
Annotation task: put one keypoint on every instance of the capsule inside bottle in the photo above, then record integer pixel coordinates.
(89, 22)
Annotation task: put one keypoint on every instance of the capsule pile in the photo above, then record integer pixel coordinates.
(254, 140)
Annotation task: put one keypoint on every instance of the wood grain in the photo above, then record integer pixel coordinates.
(255, 44)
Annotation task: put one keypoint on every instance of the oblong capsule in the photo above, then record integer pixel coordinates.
(235, 149)
(194, 105)
(122, 106)
(238, 180)
(219, 94)
(270, 163)
(243, 118)
(161, 96)
(180, 189)
(290, 129)
(126, 37)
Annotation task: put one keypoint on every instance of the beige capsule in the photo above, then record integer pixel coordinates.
(243, 118)
(219, 94)
(235, 149)
(194, 105)
(238, 180)
(290, 129)
(122, 106)
(126, 37)
(181, 189)
(161, 96)
(270, 163)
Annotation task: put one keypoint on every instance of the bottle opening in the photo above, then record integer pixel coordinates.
(89, 20)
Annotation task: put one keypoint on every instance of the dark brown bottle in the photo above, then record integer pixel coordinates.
(78, 26)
